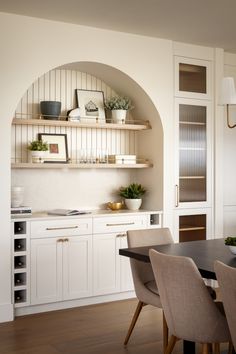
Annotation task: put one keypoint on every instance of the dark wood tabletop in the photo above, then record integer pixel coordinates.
(203, 253)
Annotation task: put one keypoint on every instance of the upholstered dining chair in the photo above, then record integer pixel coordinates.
(143, 277)
(191, 314)
(226, 277)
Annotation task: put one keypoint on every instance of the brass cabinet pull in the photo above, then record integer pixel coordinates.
(65, 240)
(61, 228)
(176, 195)
(121, 235)
(60, 240)
(121, 224)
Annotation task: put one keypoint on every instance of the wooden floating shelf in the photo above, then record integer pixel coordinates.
(63, 123)
(192, 177)
(191, 123)
(192, 228)
(77, 165)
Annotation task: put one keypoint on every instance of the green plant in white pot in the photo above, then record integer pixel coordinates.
(118, 106)
(132, 195)
(37, 149)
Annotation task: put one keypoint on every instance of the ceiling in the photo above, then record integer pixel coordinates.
(203, 22)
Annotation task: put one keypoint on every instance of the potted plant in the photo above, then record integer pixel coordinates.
(118, 106)
(132, 195)
(231, 242)
(37, 149)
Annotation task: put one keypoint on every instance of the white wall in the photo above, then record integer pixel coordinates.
(31, 47)
(229, 158)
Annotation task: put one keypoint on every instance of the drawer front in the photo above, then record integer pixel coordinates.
(55, 228)
(119, 223)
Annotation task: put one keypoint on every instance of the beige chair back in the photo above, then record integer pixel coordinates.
(190, 312)
(226, 277)
(142, 272)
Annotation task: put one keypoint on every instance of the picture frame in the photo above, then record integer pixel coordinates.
(58, 149)
(91, 105)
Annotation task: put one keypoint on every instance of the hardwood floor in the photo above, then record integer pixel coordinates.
(97, 329)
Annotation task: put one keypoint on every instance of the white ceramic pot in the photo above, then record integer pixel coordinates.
(17, 196)
(233, 249)
(133, 204)
(118, 115)
(37, 156)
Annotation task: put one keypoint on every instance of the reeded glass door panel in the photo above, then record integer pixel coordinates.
(192, 153)
(192, 227)
(192, 78)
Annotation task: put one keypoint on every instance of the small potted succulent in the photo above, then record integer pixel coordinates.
(118, 106)
(132, 195)
(37, 149)
(231, 242)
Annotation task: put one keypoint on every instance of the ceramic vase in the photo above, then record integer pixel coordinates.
(118, 115)
(133, 204)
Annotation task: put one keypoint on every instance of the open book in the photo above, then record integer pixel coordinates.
(67, 212)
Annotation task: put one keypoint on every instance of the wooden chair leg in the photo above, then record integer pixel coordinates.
(216, 347)
(134, 320)
(171, 345)
(165, 334)
(231, 348)
(205, 348)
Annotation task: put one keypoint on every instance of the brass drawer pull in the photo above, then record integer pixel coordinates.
(65, 240)
(60, 240)
(121, 224)
(121, 235)
(61, 228)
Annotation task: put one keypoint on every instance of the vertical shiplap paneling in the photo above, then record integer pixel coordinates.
(61, 85)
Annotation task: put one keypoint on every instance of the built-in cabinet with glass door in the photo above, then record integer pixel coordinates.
(193, 142)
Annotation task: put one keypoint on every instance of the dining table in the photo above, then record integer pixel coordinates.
(204, 253)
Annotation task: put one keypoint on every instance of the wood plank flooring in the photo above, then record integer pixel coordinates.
(97, 329)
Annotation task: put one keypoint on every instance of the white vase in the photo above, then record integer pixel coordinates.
(37, 156)
(118, 115)
(133, 204)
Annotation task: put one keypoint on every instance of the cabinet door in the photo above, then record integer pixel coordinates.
(193, 153)
(46, 270)
(192, 78)
(126, 279)
(106, 266)
(77, 267)
(193, 225)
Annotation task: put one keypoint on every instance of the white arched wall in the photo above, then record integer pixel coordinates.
(36, 46)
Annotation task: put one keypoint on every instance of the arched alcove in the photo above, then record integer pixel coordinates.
(88, 188)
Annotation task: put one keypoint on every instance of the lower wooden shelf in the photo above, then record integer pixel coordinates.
(77, 165)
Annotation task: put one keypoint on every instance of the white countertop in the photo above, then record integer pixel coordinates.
(43, 215)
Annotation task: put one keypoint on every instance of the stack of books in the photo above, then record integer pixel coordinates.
(21, 211)
(122, 159)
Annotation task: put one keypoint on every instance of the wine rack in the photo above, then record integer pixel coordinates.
(20, 263)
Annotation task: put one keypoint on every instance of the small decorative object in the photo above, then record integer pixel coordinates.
(115, 205)
(132, 195)
(118, 107)
(91, 105)
(37, 149)
(57, 147)
(50, 109)
(122, 159)
(74, 115)
(231, 242)
(17, 196)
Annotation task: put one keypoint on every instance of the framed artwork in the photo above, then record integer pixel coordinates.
(57, 147)
(91, 105)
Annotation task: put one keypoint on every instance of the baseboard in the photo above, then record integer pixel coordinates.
(6, 312)
(28, 310)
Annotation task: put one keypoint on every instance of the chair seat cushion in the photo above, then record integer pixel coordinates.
(151, 285)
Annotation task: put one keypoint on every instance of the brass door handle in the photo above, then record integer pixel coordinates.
(60, 240)
(121, 235)
(176, 195)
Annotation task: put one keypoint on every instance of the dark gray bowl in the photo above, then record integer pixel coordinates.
(50, 109)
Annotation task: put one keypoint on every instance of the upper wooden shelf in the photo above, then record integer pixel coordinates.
(63, 123)
(77, 165)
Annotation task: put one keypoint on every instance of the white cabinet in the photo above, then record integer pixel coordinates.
(193, 149)
(61, 252)
(60, 269)
(111, 271)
